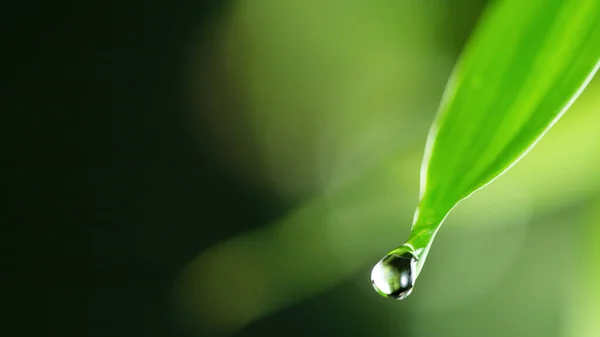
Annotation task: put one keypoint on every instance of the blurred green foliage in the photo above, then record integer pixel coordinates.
(326, 104)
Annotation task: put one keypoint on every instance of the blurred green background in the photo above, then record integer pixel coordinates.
(235, 168)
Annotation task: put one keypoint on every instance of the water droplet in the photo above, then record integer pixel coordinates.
(394, 276)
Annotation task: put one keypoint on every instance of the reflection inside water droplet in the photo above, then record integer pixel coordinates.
(394, 276)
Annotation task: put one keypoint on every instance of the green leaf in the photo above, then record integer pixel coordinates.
(521, 71)
(525, 64)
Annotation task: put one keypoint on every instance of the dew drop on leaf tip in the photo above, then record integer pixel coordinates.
(395, 274)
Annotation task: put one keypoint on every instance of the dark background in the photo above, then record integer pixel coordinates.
(108, 197)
